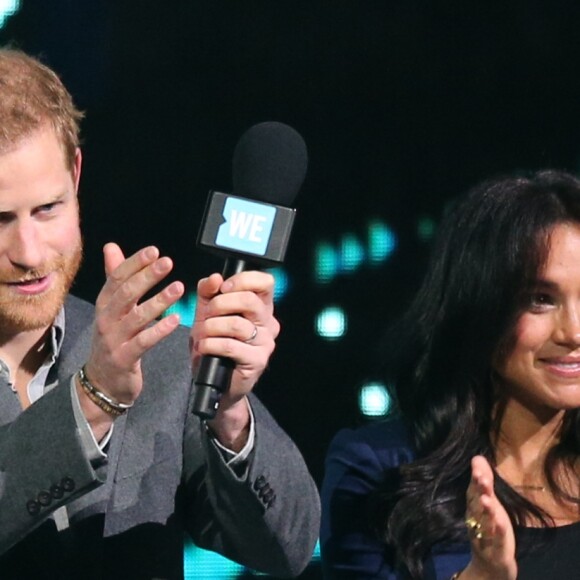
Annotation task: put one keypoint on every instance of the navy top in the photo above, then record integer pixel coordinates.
(356, 464)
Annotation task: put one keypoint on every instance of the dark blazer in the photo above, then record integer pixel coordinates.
(162, 477)
(355, 467)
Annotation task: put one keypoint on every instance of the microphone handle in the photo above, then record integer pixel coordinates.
(215, 372)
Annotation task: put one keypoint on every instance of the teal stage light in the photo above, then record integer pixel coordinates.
(7, 9)
(326, 263)
(352, 253)
(382, 242)
(185, 308)
(200, 564)
(331, 323)
(281, 283)
(374, 400)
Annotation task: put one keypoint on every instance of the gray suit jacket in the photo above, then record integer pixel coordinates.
(162, 476)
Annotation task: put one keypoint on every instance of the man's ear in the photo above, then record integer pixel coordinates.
(77, 168)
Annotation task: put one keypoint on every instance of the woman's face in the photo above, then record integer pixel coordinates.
(542, 371)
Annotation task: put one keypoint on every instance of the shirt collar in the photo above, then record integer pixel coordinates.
(39, 382)
(57, 334)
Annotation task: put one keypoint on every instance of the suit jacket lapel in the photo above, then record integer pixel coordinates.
(9, 404)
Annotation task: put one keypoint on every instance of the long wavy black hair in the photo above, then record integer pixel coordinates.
(485, 261)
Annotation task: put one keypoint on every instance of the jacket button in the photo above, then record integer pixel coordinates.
(264, 490)
(68, 483)
(44, 498)
(269, 496)
(33, 507)
(271, 501)
(56, 491)
(260, 482)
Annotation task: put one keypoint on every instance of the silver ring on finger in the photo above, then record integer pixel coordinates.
(253, 336)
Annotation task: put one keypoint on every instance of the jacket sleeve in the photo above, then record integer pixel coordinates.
(43, 465)
(265, 516)
(355, 466)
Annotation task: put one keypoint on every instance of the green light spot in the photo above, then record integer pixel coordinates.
(425, 228)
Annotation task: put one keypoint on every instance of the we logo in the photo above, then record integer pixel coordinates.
(247, 226)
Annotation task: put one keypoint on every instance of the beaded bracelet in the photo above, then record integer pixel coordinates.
(99, 398)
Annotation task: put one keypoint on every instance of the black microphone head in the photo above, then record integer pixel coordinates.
(269, 163)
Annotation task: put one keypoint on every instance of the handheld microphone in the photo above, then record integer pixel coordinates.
(251, 227)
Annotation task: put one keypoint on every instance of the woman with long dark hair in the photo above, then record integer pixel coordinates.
(475, 475)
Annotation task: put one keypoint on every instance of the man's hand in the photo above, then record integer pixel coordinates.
(124, 328)
(234, 319)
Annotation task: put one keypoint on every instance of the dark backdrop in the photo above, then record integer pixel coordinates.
(403, 105)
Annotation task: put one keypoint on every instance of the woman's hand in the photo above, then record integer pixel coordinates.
(490, 530)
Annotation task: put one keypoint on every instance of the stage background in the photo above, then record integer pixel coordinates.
(403, 105)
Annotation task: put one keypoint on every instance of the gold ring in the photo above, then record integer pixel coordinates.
(474, 527)
(473, 524)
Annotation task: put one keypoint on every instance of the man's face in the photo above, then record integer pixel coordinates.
(40, 241)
